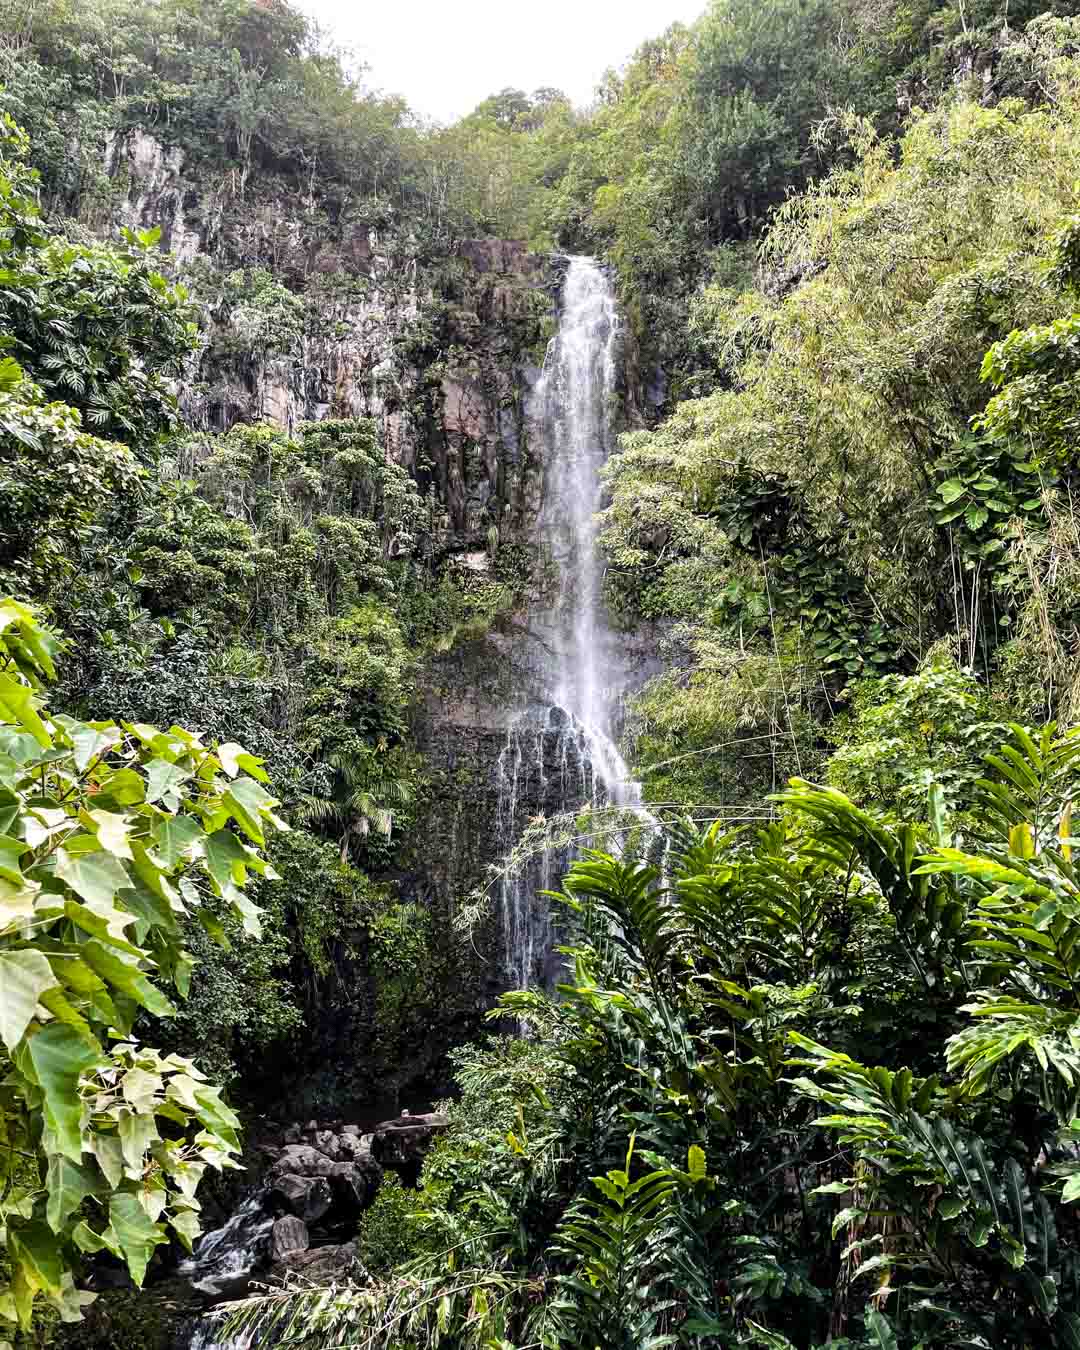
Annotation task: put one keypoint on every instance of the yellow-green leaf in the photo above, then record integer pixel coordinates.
(134, 1233)
(95, 877)
(24, 977)
(60, 1056)
(112, 832)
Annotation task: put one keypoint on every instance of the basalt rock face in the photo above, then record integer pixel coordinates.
(311, 320)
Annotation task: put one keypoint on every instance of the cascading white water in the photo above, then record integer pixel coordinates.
(567, 753)
(578, 392)
(223, 1259)
(208, 1335)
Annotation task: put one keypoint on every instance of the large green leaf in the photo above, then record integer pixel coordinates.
(88, 741)
(71, 1301)
(250, 804)
(951, 491)
(134, 1233)
(24, 977)
(112, 830)
(73, 972)
(105, 922)
(95, 877)
(226, 858)
(17, 706)
(17, 902)
(174, 837)
(109, 1153)
(185, 1224)
(235, 759)
(34, 1247)
(137, 1132)
(60, 1057)
(164, 780)
(68, 1184)
(880, 1330)
(11, 852)
(141, 1088)
(125, 975)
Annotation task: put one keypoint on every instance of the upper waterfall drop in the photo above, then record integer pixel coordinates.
(562, 749)
(577, 395)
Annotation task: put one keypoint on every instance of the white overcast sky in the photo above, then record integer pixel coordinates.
(445, 56)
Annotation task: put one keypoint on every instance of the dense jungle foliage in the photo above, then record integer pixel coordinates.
(285, 594)
(811, 1077)
(814, 1085)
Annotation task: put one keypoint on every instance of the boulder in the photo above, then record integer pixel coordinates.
(289, 1234)
(308, 1198)
(302, 1160)
(354, 1148)
(354, 1185)
(327, 1142)
(323, 1265)
(292, 1135)
(351, 1129)
(402, 1142)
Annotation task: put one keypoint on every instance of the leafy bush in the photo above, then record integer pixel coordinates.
(113, 835)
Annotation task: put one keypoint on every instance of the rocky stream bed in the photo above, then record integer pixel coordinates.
(298, 1219)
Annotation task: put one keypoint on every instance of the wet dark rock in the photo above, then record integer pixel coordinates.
(354, 1185)
(323, 1264)
(401, 1143)
(303, 1160)
(354, 1147)
(292, 1135)
(327, 1142)
(308, 1198)
(289, 1234)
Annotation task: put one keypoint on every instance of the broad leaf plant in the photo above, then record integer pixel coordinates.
(114, 840)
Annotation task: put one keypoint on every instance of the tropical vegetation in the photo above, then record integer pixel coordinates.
(809, 1076)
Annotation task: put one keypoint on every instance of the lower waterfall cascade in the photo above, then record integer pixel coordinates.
(226, 1256)
(564, 751)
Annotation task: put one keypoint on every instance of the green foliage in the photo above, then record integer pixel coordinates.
(389, 1230)
(113, 835)
(725, 723)
(844, 1054)
(618, 1239)
(908, 733)
(864, 486)
(54, 477)
(764, 75)
(282, 594)
(242, 88)
(98, 328)
(871, 498)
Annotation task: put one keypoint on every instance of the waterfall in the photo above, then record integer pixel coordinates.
(208, 1335)
(578, 393)
(564, 755)
(223, 1259)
